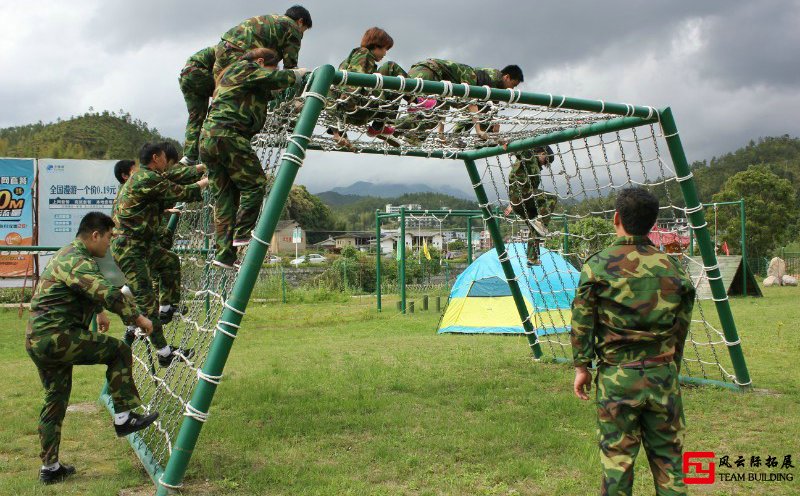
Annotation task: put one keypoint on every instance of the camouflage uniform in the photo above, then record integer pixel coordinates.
(635, 303)
(70, 291)
(446, 70)
(197, 85)
(235, 176)
(527, 200)
(137, 214)
(358, 109)
(277, 32)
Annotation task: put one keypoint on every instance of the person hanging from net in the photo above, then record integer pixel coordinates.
(237, 113)
(137, 214)
(357, 108)
(282, 33)
(415, 126)
(197, 85)
(70, 291)
(531, 204)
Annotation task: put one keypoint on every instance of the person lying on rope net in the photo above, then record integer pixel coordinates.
(70, 291)
(530, 203)
(414, 128)
(137, 212)
(358, 108)
(282, 33)
(237, 113)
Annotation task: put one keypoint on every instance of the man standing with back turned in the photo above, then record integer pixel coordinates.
(632, 312)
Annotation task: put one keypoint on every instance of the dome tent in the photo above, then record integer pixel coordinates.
(481, 302)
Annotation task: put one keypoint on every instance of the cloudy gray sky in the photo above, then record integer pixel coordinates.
(726, 68)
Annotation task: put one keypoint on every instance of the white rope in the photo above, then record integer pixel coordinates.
(263, 243)
(344, 79)
(223, 331)
(195, 413)
(314, 94)
(488, 89)
(213, 379)
(168, 486)
(466, 89)
(293, 158)
(235, 310)
(684, 178)
(378, 81)
(447, 91)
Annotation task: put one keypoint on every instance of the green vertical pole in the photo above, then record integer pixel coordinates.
(500, 247)
(697, 219)
(691, 243)
(743, 250)
(469, 240)
(565, 241)
(235, 306)
(378, 258)
(401, 247)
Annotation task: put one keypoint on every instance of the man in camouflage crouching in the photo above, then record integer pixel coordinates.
(632, 312)
(71, 290)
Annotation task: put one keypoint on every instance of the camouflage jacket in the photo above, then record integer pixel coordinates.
(140, 203)
(525, 176)
(71, 290)
(360, 60)
(462, 73)
(633, 302)
(278, 32)
(242, 96)
(203, 60)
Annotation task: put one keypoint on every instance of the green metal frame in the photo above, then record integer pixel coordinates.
(321, 81)
(379, 216)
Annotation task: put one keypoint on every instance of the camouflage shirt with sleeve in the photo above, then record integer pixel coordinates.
(360, 60)
(242, 96)
(71, 290)
(202, 59)
(140, 201)
(278, 32)
(633, 302)
(461, 73)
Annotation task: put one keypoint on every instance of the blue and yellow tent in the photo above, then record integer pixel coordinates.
(481, 301)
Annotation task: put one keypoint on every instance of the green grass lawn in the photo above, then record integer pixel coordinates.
(335, 399)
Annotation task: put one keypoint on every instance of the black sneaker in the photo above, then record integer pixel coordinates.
(135, 423)
(166, 361)
(57, 475)
(166, 316)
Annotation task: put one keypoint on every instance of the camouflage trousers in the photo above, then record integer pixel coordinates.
(418, 125)
(165, 267)
(134, 258)
(54, 355)
(197, 86)
(634, 407)
(359, 109)
(238, 184)
(529, 208)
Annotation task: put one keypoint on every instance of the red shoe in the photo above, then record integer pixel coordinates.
(384, 131)
(422, 104)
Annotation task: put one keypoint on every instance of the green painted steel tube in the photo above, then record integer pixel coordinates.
(401, 250)
(378, 258)
(697, 218)
(248, 273)
(500, 247)
(743, 250)
(594, 129)
(500, 95)
(405, 152)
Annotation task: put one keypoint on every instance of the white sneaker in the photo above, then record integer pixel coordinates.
(538, 226)
(187, 161)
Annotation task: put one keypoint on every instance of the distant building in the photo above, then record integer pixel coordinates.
(328, 245)
(282, 239)
(359, 240)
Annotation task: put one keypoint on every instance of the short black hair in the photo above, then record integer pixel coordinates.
(148, 150)
(638, 210)
(95, 221)
(514, 72)
(170, 151)
(548, 151)
(298, 12)
(123, 167)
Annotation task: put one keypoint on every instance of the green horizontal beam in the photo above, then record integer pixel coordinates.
(593, 129)
(498, 95)
(398, 152)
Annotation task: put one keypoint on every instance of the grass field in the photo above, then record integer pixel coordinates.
(335, 399)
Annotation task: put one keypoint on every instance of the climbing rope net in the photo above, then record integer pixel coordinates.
(573, 196)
